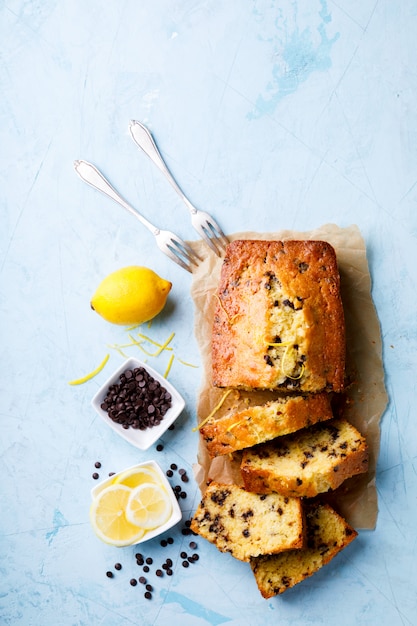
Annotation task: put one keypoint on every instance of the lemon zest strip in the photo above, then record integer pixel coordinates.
(188, 364)
(117, 348)
(287, 344)
(98, 369)
(299, 375)
(161, 347)
(164, 345)
(139, 345)
(154, 343)
(283, 367)
(214, 411)
(234, 425)
(168, 369)
(230, 319)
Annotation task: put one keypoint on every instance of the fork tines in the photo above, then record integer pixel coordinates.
(180, 252)
(214, 236)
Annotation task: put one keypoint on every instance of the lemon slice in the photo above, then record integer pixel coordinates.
(108, 518)
(134, 477)
(149, 506)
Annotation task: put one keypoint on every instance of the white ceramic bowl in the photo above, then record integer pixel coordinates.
(142, 439)
(176, 514)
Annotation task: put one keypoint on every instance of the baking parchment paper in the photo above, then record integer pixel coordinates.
(365, 398)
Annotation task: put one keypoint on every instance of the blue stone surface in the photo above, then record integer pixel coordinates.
(271, 115)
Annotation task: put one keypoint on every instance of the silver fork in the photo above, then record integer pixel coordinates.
(203, 223)
(171, 245)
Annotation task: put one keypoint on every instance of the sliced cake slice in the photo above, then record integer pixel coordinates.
(257, 424)
(246, 524)
(306, 463)
(327, 533)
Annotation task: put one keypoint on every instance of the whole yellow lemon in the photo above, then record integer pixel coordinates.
(131, 295)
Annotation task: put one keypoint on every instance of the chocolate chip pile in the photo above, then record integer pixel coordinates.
(137, 401)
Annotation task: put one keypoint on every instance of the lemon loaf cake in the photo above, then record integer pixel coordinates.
(257, 424)
(246, 524)
(327, 533)
(306, 463)
(278, 321)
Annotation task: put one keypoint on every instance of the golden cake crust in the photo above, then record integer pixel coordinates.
(279, 322)
(306, 463)
(257, 424)
(246, 524)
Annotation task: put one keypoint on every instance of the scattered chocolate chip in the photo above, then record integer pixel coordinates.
(169, 572)
(118, 566)
(142, 580)
(149, 588)
(164, 543)
(173, 466)
(169, 473)
(112, 473)
(159, 573)
(133, 582)
(193, 545)
(149, 560)
(183, 555)
(95, 475)
(183, 495)
(159, 447)
(169, 562)
(97, 464)
(109, 574)
(181, 472)
(170, 540)
(146, 568)
(185, 564)
(148, 595)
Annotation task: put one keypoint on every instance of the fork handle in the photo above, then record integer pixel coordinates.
(91, 175)
(143, 138)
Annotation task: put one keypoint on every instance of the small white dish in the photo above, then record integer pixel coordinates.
(142, 439)
(176, 514)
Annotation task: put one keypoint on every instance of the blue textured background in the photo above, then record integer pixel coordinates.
(271, 115)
